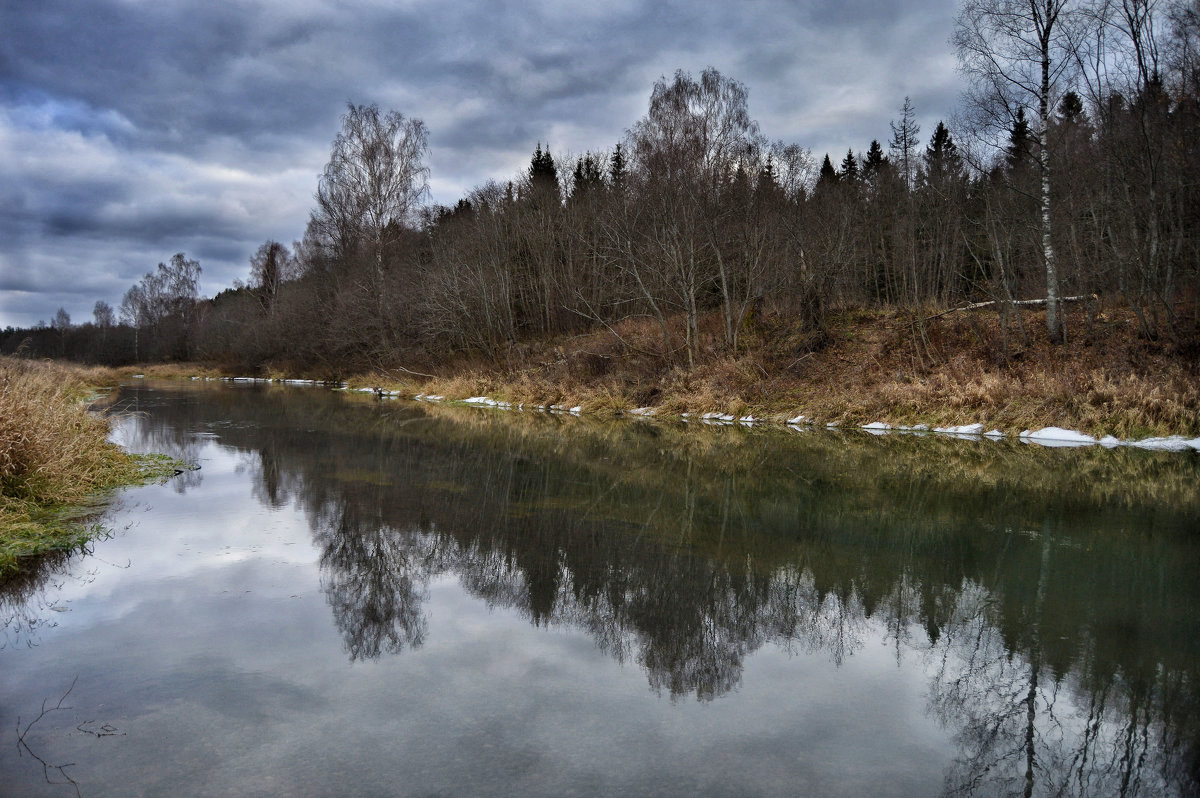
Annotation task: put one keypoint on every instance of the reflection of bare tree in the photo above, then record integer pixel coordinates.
(375, 578)
(1023, 730)
(1069, 674)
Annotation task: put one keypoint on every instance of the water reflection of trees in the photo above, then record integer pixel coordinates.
(1056, 625)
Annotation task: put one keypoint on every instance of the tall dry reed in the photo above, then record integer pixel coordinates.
(53, 454)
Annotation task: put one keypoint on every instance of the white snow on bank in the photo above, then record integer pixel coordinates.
(966, 429)
(1047, 436)
(1175, 443)
(1057, 436)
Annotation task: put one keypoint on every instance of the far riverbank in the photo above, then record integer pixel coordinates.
(878, 370)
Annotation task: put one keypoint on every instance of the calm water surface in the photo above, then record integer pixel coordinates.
(362, 598)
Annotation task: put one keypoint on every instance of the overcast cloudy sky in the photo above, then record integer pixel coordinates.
(134, 129)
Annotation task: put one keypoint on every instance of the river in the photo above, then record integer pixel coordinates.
(364, 597)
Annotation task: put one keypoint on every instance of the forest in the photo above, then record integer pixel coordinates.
(1069, 178)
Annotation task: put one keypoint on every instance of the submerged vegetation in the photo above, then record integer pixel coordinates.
(55, 459)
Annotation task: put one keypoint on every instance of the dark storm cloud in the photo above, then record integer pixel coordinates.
(130, 129)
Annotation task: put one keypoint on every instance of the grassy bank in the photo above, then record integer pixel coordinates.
(863, 367)
(940, 369)
(55, 460)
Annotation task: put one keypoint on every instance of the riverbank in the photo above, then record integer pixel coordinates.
(863, 369)
(56, 463)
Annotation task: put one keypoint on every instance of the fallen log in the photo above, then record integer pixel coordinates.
(1022, 302)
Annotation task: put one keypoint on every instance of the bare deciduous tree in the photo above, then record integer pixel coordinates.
(373, 182)
(1017, 52)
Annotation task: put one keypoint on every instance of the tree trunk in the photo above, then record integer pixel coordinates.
(1053, 321)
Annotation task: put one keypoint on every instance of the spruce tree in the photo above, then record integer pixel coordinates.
(828, 174)
(543, 175)
(875, 161)
(616, 168)
(1020, 142)
(1070, 110)
(849, 171)
(941, 156)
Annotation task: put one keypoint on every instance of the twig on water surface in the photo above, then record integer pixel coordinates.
(23, 747)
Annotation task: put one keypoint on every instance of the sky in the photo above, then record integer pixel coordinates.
(134, 129)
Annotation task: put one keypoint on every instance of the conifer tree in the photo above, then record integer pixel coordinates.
(1020, 142)
(875, 161)
(904, 141)
(941, 156)
(828, 174)
(1070, 109)
(543, 175)
(849, 171)
(616, 168)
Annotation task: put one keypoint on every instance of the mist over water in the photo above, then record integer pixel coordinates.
(362, 598)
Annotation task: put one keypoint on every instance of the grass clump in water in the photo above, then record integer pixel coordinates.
(56, 461)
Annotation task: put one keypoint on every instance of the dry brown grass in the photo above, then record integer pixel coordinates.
(900, 367)
(53, 454)
(865, 366)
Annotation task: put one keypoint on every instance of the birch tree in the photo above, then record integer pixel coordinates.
(1017, 52)
(373, 183)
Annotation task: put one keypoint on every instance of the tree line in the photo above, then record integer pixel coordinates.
(1072, 171)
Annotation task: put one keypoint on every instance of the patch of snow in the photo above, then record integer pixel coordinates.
(966, 429)
(798, 420)
(1057, 436)
(577, 409)
(646, 411)
(1175, 443)
(749, 420)
(994, 434)
(877, 425)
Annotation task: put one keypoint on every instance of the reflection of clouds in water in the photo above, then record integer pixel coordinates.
(655, 572)
(1018, 723)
